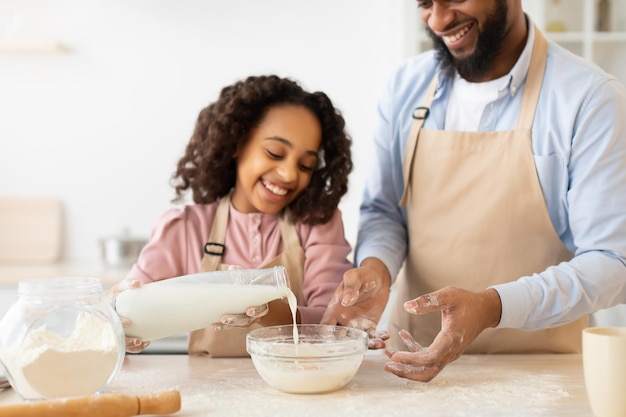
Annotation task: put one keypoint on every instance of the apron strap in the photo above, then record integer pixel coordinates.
(288, 232)
(292, 257)
(214, 247)
(419, 117)
(534, 79)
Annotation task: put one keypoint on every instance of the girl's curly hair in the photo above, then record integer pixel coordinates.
(209, 167)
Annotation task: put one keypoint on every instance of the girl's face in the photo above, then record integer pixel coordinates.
(277, 162)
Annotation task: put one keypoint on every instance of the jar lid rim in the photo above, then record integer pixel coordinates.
(59, 286)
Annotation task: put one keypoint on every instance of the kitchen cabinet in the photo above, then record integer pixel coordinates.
(574, 24)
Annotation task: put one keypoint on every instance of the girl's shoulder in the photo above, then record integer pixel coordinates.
(331, 230)
(188, 217)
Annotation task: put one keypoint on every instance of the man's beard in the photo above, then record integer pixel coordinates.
(489, 43)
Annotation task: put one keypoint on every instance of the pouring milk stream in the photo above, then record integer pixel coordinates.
(190, 302)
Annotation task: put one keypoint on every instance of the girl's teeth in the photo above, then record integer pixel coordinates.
(275, 190)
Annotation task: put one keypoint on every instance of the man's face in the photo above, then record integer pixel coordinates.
(467, 35)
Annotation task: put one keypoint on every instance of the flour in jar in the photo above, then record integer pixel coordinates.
(50, 366)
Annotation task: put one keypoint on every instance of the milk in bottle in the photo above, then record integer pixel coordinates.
(182, 304)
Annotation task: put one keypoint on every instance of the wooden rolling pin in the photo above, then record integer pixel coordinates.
(102, 405)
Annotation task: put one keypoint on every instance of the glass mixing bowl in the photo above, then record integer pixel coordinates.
(325, 359)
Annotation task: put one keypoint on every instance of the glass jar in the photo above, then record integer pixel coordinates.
(60, 339)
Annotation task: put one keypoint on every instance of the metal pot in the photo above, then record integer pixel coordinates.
(121, 251)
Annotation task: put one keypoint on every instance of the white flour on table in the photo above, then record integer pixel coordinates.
(240, 391)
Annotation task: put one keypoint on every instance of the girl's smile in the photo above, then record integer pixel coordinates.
(274, 189)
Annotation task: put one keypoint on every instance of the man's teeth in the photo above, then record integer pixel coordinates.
(274, 189)
(457, 35)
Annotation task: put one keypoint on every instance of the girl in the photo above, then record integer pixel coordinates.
(267, 165)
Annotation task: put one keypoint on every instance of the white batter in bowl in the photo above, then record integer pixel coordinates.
(325, 359)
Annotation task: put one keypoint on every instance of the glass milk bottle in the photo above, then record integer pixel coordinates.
(61, 339)
(178, 305)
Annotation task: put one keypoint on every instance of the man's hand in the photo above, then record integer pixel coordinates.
(360, 300)
(464, 315)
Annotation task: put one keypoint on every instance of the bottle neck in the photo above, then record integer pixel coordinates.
(280, 273)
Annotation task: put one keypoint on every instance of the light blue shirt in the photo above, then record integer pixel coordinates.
(579, 147)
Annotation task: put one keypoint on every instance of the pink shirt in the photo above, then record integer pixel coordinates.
(176, 247)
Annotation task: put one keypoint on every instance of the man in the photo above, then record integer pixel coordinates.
(499, 187)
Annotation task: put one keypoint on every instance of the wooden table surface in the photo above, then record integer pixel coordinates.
(474, 385)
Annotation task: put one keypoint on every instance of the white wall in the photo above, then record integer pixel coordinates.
(102, 126)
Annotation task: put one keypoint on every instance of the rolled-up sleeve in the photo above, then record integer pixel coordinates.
(587, 205)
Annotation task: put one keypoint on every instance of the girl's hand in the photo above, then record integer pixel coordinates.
(274, 313)
(133, 344)
(251, 316)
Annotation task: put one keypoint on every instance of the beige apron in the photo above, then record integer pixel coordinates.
(232, 342)
(477, 217)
